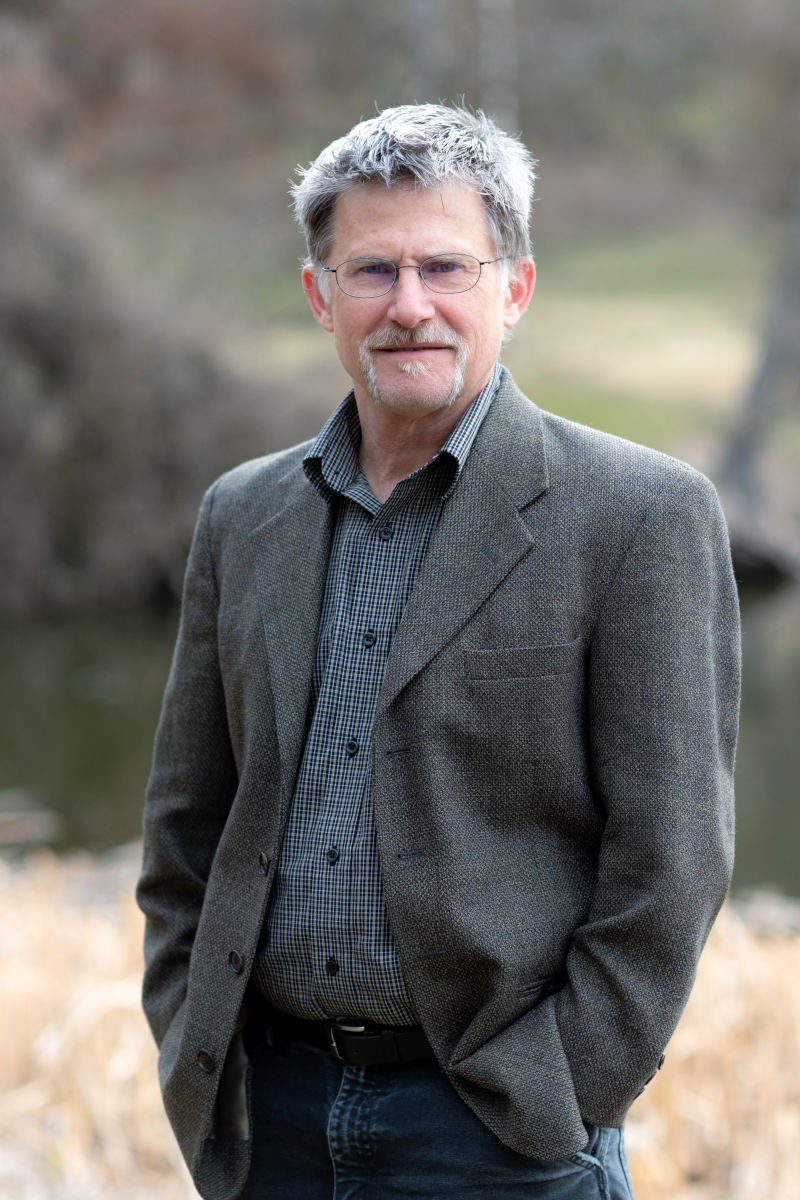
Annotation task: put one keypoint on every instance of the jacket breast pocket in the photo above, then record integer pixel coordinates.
(524, 662)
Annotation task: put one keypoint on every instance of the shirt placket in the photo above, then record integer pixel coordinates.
(367, 616)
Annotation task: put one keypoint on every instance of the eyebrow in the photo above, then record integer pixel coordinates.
(420, 259)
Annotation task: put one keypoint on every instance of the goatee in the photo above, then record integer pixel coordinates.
(395, 337)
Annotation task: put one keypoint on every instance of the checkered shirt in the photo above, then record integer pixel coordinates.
(328, 949)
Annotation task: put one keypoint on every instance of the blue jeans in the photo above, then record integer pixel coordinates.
(323, 1131)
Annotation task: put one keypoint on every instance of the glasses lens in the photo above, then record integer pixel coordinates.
(451, 272)
(366, 276)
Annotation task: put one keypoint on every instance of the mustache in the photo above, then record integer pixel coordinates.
(393, 338)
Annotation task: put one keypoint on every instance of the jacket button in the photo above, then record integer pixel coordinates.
(236, 962)
(263, 863)
(206, 1061)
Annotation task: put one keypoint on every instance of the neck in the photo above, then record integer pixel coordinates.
(397, 442)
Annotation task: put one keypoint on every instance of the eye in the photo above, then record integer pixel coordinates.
(451, 272)
(366, 276)
(369, 268)
(446, 264)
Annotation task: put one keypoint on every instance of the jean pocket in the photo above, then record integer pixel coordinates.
(604, 1156)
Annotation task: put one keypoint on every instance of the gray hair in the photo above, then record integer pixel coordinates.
(427, 144)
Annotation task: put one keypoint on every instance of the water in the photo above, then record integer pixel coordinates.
(768, 759)
(80, 702)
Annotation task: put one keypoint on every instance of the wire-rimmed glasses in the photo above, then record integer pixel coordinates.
(366, 278)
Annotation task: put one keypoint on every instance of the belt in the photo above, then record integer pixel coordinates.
(357, 1043)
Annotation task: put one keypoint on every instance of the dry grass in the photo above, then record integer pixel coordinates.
(80, 1116)
(79, 1112)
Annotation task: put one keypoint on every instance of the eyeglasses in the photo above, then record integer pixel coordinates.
(366, 278)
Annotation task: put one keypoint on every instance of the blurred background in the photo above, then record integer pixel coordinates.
(153, 331)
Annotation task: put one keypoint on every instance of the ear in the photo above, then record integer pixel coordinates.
(319, 304)
(519, 291)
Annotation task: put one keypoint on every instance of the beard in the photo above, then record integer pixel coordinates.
(392, 338)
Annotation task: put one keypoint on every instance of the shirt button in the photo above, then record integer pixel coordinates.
(332, 855)
(331, 967)
(386, 533)
(369, 638)
(351, 748)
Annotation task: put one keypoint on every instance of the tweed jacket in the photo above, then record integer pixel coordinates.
(553, 753)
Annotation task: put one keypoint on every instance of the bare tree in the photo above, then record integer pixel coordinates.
(763, 503)
(775, 386)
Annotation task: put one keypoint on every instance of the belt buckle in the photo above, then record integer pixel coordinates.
(342, 1027)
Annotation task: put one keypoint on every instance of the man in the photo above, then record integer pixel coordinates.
(440, 810)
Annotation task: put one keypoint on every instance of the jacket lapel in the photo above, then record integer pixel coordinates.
(479, 538)
(291, 555)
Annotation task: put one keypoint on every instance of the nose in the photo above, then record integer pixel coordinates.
(410, 301)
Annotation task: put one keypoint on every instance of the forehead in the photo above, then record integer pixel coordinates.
(370, 218)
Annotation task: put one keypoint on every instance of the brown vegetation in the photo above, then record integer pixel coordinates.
(109, 430)
(81, 1117)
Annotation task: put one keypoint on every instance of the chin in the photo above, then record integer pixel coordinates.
(418, 390)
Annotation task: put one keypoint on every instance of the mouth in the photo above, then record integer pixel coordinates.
(413, 349)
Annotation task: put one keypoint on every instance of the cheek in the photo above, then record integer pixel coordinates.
(483, 325)
(348, 338)
(488, 336)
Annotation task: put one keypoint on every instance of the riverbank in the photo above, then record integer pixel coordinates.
(81, 1119)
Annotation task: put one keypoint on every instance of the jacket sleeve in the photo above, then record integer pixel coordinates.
(662, 714)
(190, 791)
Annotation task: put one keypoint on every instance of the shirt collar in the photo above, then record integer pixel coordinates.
(332, 465)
